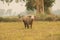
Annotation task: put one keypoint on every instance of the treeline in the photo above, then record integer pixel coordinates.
(9, 19)
(49, 18)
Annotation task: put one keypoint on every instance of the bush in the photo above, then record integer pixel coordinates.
(58, 19)
(1, 19)
(9, 19)
(39, 19)
(48, 19)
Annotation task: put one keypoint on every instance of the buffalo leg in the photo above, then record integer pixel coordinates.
(28, 26)
(25, 24)
(31, 23)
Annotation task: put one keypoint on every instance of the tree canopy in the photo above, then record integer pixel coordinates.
(32, 4)
(47, 4)
(7, 1)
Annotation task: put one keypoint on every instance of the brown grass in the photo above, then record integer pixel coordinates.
(40, 31)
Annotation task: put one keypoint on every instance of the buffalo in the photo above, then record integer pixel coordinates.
(28, 21)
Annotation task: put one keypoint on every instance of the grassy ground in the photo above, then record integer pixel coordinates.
(40, 31)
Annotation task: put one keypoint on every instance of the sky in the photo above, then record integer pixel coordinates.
(20, 7)
(56, 5)
(17, 7)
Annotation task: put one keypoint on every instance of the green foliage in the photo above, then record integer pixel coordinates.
(24, 0)
(9, 19)
(47, 4)
(16, 1)
(46, 17)
(7, 1)
(58, 19)
(1, 19)
(19, 16)
(2, 0)
(49, 19)
(30, 4)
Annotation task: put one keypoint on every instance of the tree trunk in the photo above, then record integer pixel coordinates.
(40, 6)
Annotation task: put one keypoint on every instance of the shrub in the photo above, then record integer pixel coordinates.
(9, 19)
(48, 19)
(58, 19)
(1, 19)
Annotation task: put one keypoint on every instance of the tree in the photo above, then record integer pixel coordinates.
(30, 4)
(40, 5)
(7, 1)
(48, 5)
(3, 1)
(37, 4)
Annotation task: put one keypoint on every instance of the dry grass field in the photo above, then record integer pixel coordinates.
(41, 31)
